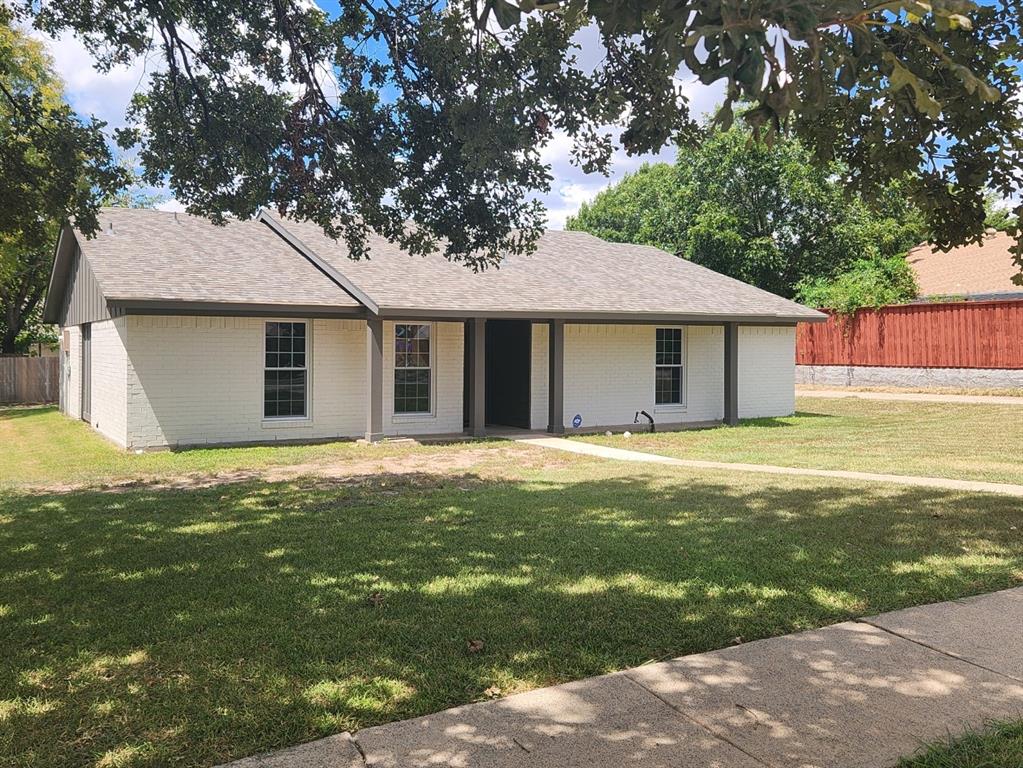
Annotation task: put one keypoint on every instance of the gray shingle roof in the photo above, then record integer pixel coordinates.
(153, 255)
(156, 256)
(570, 272)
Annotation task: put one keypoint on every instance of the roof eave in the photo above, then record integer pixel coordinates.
(161, 306)
(582, 316)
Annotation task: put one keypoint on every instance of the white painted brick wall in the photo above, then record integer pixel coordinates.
(194, 380)
(609, 374)
(109, 385)
(72, 381)
(447, 340)
(538, 391)
(767, 371)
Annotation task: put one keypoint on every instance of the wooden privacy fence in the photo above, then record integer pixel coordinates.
(981, 334)
(29, 380)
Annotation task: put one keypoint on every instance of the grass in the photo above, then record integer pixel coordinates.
(50, 449)
(145, 627)
(968, 441)
(998, 746)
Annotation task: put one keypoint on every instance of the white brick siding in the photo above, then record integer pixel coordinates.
(446, 358)
(609, 374)
(72, 373)
(194, 380)
(109, 386)
(767, 371)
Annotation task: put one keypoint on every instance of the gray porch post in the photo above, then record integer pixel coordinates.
(477, 342)
(731, 374)
(374, 379)
(556, 377)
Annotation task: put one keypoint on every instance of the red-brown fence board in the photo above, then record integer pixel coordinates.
(967, 334)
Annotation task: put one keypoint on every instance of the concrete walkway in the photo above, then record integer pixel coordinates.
(621, 454)
(859, 694)
(919, 397)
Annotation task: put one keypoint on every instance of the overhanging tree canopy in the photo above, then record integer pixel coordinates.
(436, 111)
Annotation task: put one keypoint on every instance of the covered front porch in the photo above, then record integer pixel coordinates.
(561, 374)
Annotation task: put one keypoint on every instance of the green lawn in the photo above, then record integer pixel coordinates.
(970, 442)
(1000, 746)
(188, 627)
(41, 447)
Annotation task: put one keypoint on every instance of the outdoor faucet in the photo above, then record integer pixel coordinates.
(650, 418)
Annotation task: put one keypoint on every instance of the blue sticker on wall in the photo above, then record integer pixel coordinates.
(577, 421)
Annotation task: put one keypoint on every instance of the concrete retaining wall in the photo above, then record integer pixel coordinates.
(870, 376)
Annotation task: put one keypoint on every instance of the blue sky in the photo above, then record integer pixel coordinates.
(106, 96)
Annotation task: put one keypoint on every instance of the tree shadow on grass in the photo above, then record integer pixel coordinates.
(191, 627)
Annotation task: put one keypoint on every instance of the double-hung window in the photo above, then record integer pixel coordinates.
(668, 361)
(284, 376)
(411, 368)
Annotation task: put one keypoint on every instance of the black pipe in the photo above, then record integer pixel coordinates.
(653, 427)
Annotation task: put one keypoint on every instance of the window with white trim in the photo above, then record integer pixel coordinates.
(668, 367)
(284, 375)
(411, 368)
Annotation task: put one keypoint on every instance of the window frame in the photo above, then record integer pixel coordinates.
(307, 369)
(681, 365)
(430, 368)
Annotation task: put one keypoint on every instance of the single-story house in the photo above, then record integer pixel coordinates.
(176, 332)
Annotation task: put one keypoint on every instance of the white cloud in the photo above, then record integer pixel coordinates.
(171, 205)
(91, 92)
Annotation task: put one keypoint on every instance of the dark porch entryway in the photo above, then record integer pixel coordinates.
(508, 352)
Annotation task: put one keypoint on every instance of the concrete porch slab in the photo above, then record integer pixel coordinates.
(847, 696)
(606, 721)
(986, 630)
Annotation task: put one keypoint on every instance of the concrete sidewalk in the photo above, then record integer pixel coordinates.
(859, 694)
(622, 454)
(918, 397)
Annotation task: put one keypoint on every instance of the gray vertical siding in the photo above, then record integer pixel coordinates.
(83, 299)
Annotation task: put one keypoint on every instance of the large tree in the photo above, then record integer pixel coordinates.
(761, 213)
(390, 111)
(52, 166)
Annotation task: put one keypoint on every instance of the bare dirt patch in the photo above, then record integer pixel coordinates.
(484, 461)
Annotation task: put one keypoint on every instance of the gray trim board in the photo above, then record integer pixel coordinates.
(731, 374)
(374, 379)
(477, 377)
(343, 282)
(556, 377)
(169, 307)
(612, 318)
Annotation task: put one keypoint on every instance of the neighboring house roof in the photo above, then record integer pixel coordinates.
(177, 261)
(978, 269)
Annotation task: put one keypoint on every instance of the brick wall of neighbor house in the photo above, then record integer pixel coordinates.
(71, 375)
(109, 390)
(609, 374)
(194, 380)
(447, 341)
(767, 371)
